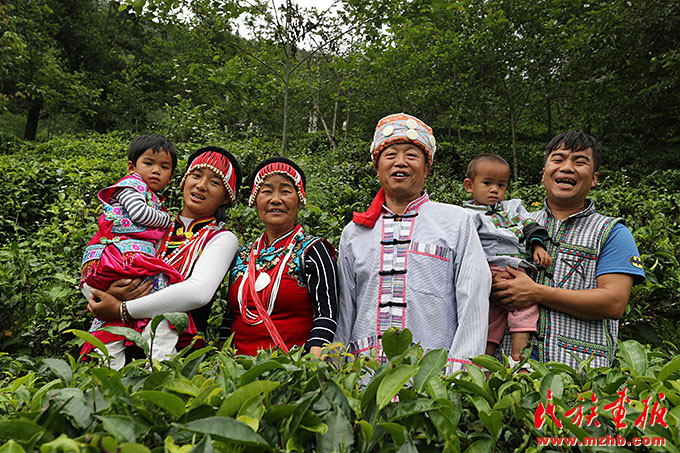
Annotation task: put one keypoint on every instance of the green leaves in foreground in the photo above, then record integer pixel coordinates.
(206, 401)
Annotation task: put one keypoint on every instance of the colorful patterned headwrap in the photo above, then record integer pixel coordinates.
(280, 168)
(402, 128)
(218, 163)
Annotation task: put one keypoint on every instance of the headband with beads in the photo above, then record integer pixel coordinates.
(280, 168)
(218, 163)
(402, 128)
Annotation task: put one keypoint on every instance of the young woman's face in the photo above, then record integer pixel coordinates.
(277, 203)
(203, 193)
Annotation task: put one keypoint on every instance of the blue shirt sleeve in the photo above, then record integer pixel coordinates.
(620, 255)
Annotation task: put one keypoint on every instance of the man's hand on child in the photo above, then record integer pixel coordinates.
(515, 292)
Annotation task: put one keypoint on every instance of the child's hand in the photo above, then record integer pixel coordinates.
(542, 257)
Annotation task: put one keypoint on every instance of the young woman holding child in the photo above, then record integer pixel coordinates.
(196, 245)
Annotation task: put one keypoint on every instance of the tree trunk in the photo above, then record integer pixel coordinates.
(32, 119)
(548, 109)
(515, 158)
(286, 85)
(484, 119)
(346, 125)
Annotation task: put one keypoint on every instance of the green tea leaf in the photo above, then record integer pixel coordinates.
(340, 436)
(75, 405)
(634, 355)
(155, 380)
(397, 431)
(22, 430)
(204, 446)
(128, 447)
(61, 443)
(414, 406)
(395, 341)
(488, 362)
(121, 427)
(366, 431)
(171, 403)
(12, 447)
(227, 429)
(335, 396)
(130, 334)
(473, 389)
(393, 382)
(432, 363)
(88, 337)
(493, 422)
(60, 368)
(668, 369)
(258, 370)
(312, 422)
(182, 385)
(233, 402)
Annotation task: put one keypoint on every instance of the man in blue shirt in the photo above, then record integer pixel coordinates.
(595, 262)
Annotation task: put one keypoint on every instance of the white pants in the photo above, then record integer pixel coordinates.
(164, 344)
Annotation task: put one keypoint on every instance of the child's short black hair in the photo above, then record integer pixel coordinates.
(487, 157)
(154, 142)
(271, 160)
(575, 141)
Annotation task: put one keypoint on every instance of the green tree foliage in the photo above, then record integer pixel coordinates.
(498, 68)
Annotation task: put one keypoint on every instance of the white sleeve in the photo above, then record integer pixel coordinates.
(198, 289)
(472, 286)
(347, 294)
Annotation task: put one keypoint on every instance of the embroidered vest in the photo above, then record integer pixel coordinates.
(577, 243)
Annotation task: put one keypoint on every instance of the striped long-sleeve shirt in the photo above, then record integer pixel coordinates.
(139, 212)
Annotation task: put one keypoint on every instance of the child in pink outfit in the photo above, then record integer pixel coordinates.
(502, 227)
(131, 230)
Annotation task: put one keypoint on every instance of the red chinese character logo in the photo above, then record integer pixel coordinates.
(577, 412)
(618, 408)
(591, 419)
(541, 412)
(657, 415)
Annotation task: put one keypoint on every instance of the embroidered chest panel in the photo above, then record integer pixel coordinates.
(575, 249)
(119, 217)
(269, 257)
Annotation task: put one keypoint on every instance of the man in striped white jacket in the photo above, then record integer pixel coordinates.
(409, 262)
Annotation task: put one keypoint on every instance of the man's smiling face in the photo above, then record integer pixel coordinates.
(401, 170)
(568, 176)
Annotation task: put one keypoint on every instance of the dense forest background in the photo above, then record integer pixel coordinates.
(502, 69)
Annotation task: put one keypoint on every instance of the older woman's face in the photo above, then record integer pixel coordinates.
(203, 193)
(277, 202)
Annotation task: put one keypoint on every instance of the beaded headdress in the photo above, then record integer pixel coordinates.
(402, 128)
(218, 163)
(280, 168)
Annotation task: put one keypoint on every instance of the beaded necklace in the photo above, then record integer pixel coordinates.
(250, 283)
(184, 255)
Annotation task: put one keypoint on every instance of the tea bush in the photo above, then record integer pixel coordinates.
(208, 401)
(48, 198)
